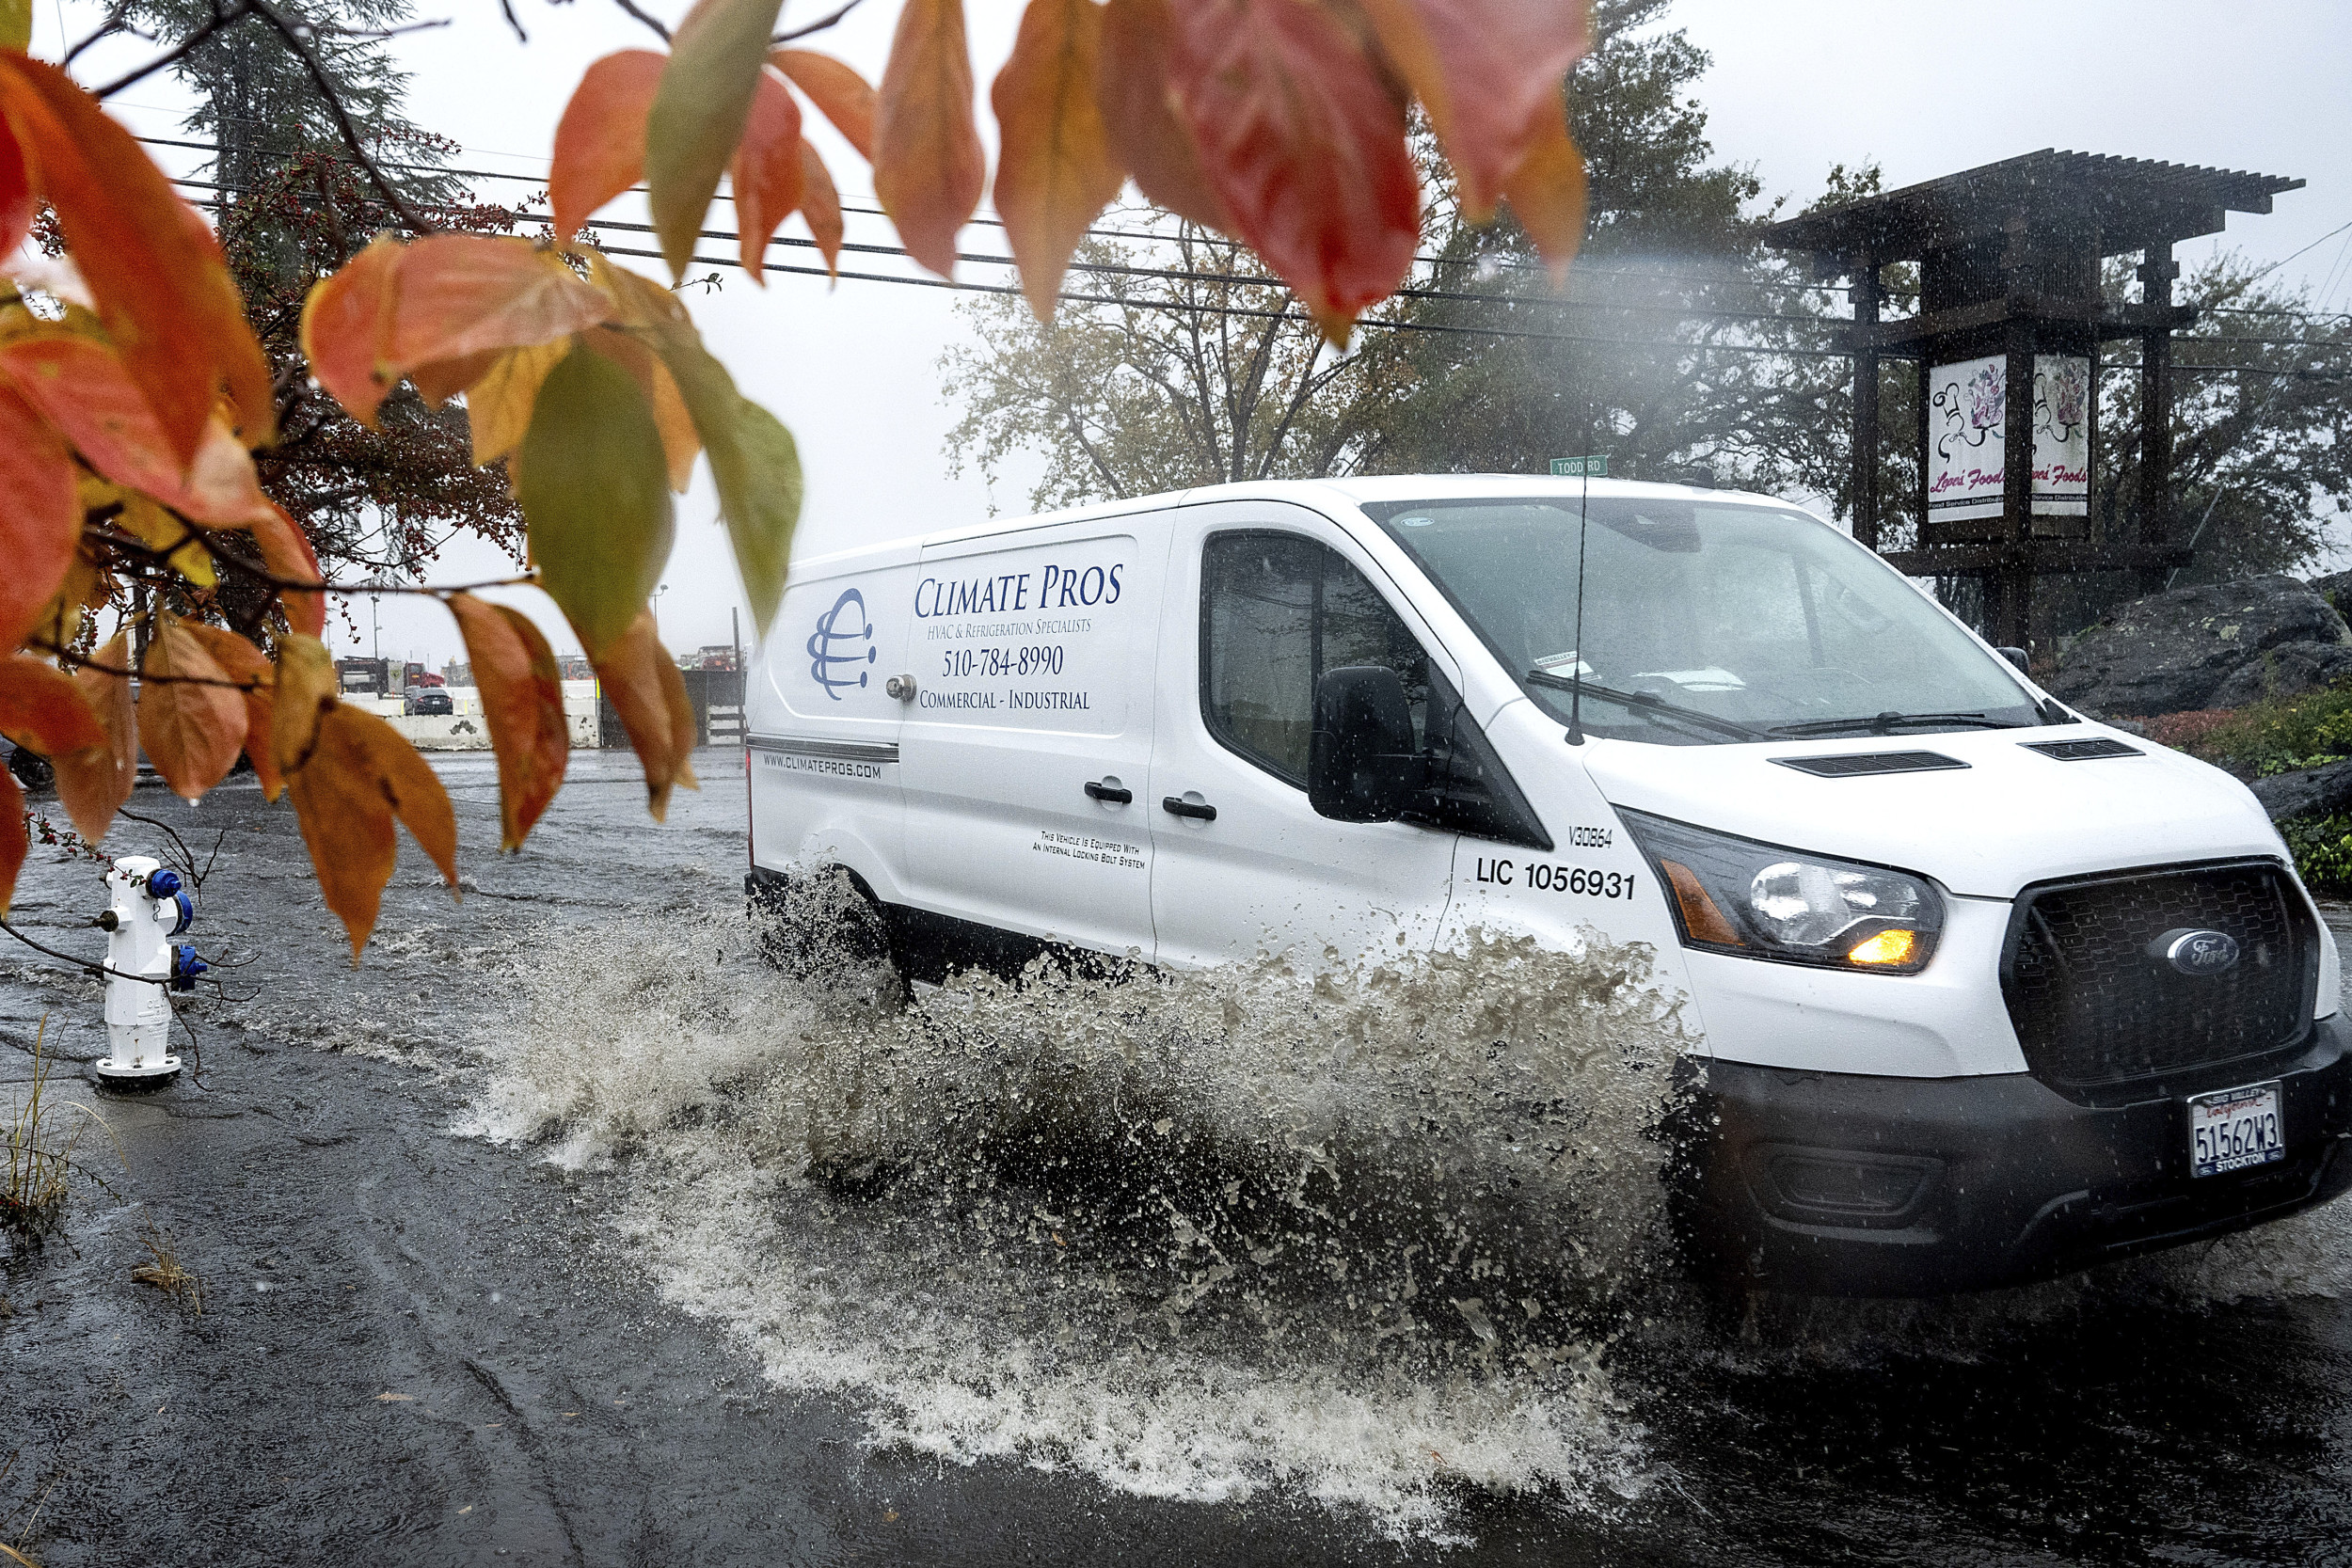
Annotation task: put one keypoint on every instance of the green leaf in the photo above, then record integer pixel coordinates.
(16, 24)
(698, 114)
(595, 490)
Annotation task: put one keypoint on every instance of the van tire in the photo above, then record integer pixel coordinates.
(825, 927)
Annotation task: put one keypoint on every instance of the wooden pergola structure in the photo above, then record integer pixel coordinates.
(2009, 259)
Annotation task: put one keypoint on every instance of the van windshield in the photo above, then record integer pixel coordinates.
(1705, 622)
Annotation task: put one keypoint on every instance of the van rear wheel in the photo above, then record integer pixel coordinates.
(824, 929)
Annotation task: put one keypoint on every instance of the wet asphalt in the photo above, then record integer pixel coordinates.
(422, 1348)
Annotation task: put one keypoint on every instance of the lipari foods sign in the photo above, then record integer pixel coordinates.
(1967, 417)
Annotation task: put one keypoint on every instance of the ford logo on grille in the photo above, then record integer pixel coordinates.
(2194, 951)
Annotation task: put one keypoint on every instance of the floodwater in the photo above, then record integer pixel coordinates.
(567, 1230)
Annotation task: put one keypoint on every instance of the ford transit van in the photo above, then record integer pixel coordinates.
(1983, 991)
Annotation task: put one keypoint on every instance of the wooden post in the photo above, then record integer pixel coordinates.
(2156, 271)
(1866, 401)
(2011, 606)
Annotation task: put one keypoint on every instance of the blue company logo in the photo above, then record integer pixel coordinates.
(2200, 952)
(829, 635)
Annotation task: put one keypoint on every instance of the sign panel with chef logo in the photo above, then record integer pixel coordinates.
(1967, 424)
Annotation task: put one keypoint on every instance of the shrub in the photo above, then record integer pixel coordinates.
(2279, 734)
(2322, 847)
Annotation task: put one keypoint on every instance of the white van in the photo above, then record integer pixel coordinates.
(1987, 991)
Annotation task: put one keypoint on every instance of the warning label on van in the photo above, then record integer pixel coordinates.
(1035, 637)
(1079, 846)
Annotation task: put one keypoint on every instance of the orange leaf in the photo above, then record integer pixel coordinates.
(1305, 143)
(600, 141)
(1055, 170)
(444, 379)
(42, 707)
(1139, 117)
(360, 776)
(820, 204)
(246, 664)
(1547, 191)
(302, 693)
(39, 517)
(928, 167)
(153, 267)
(767, 171)
(286, 553)
(15, 843)
(840, 92)
(395, 307)
(192, 730)
(1484, 67)
(522, 696)
(17, 205)
(86, 390)
(95, 781)
(642, 680)
(680, 443)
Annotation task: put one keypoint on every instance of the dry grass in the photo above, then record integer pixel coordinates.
(43, 1154)
(164, 1271)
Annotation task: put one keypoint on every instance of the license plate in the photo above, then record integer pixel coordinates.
(2234, 1130)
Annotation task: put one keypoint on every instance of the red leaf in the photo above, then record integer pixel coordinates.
(17, 205)
(1305, 143)
(359, 776)
(1138, 110)
(95, 781)
(838, 91)
(42, 707)
(286, 553)
(600, 141)
(39, 517)
(395, 307)
(820, 204)
(522, 696)
(1055, 170)
(642, 680)
(1483, 68)
(15, 843)
(928, 167)
(85, 390)
(241, 661)
(192, 730)
(766, 172)
(155, 270)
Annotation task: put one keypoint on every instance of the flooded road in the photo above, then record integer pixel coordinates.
(569, 1230)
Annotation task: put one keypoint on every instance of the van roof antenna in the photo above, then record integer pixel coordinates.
(1575, 669)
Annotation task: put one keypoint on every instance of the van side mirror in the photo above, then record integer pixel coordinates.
(1361, 763)
(2016, 656)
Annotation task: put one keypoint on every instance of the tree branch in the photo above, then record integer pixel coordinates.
(299, 37)
(817, 26)
(223, 14)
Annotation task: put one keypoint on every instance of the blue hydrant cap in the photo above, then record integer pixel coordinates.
(163, 884)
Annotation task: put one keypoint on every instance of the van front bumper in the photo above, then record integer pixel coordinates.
(1842, 1184)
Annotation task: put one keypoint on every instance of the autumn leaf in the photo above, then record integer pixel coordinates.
(395, 307)
(444, 379)
(246, 664)
(1483, 68)
(840, 93)
(820, 204)
(359, 777)
(679, 441)
(176, 542)
(766, 172)
(15, 843)
(1304, 141)
(59, 623)
(1547, 191)
(593, 483)
(698, 112)
(1055, 171)
(928, 167)
(39, 518)
(642, 683)
(16, 25)
(17, 205)
(522, 696)
(302, 694)
(1139, 117)
(498, 406)
(153, 268)
(84, 389)
(93, 782)
(286, 554)
(600, 141)
(192, 728)
(42, 707)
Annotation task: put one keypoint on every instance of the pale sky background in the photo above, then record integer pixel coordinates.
(1796, 86)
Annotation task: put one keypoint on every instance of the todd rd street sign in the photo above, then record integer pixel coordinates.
(1581, 468)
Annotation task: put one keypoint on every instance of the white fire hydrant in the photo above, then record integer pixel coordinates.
(148, 909)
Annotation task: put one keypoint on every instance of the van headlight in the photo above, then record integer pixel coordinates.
(1763, 901)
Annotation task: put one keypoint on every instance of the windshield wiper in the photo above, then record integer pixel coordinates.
(1643, 702)
(1893, 721)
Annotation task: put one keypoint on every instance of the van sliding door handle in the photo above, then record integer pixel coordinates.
(1178, 806)
(1112, 793)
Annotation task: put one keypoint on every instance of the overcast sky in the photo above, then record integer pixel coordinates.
(1796, 86)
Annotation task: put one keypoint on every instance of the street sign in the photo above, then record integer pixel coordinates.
(1581, 468)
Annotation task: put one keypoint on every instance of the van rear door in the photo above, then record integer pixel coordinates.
(1264, 597)
(1026, 746)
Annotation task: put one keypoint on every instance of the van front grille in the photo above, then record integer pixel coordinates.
(2095, 1002)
